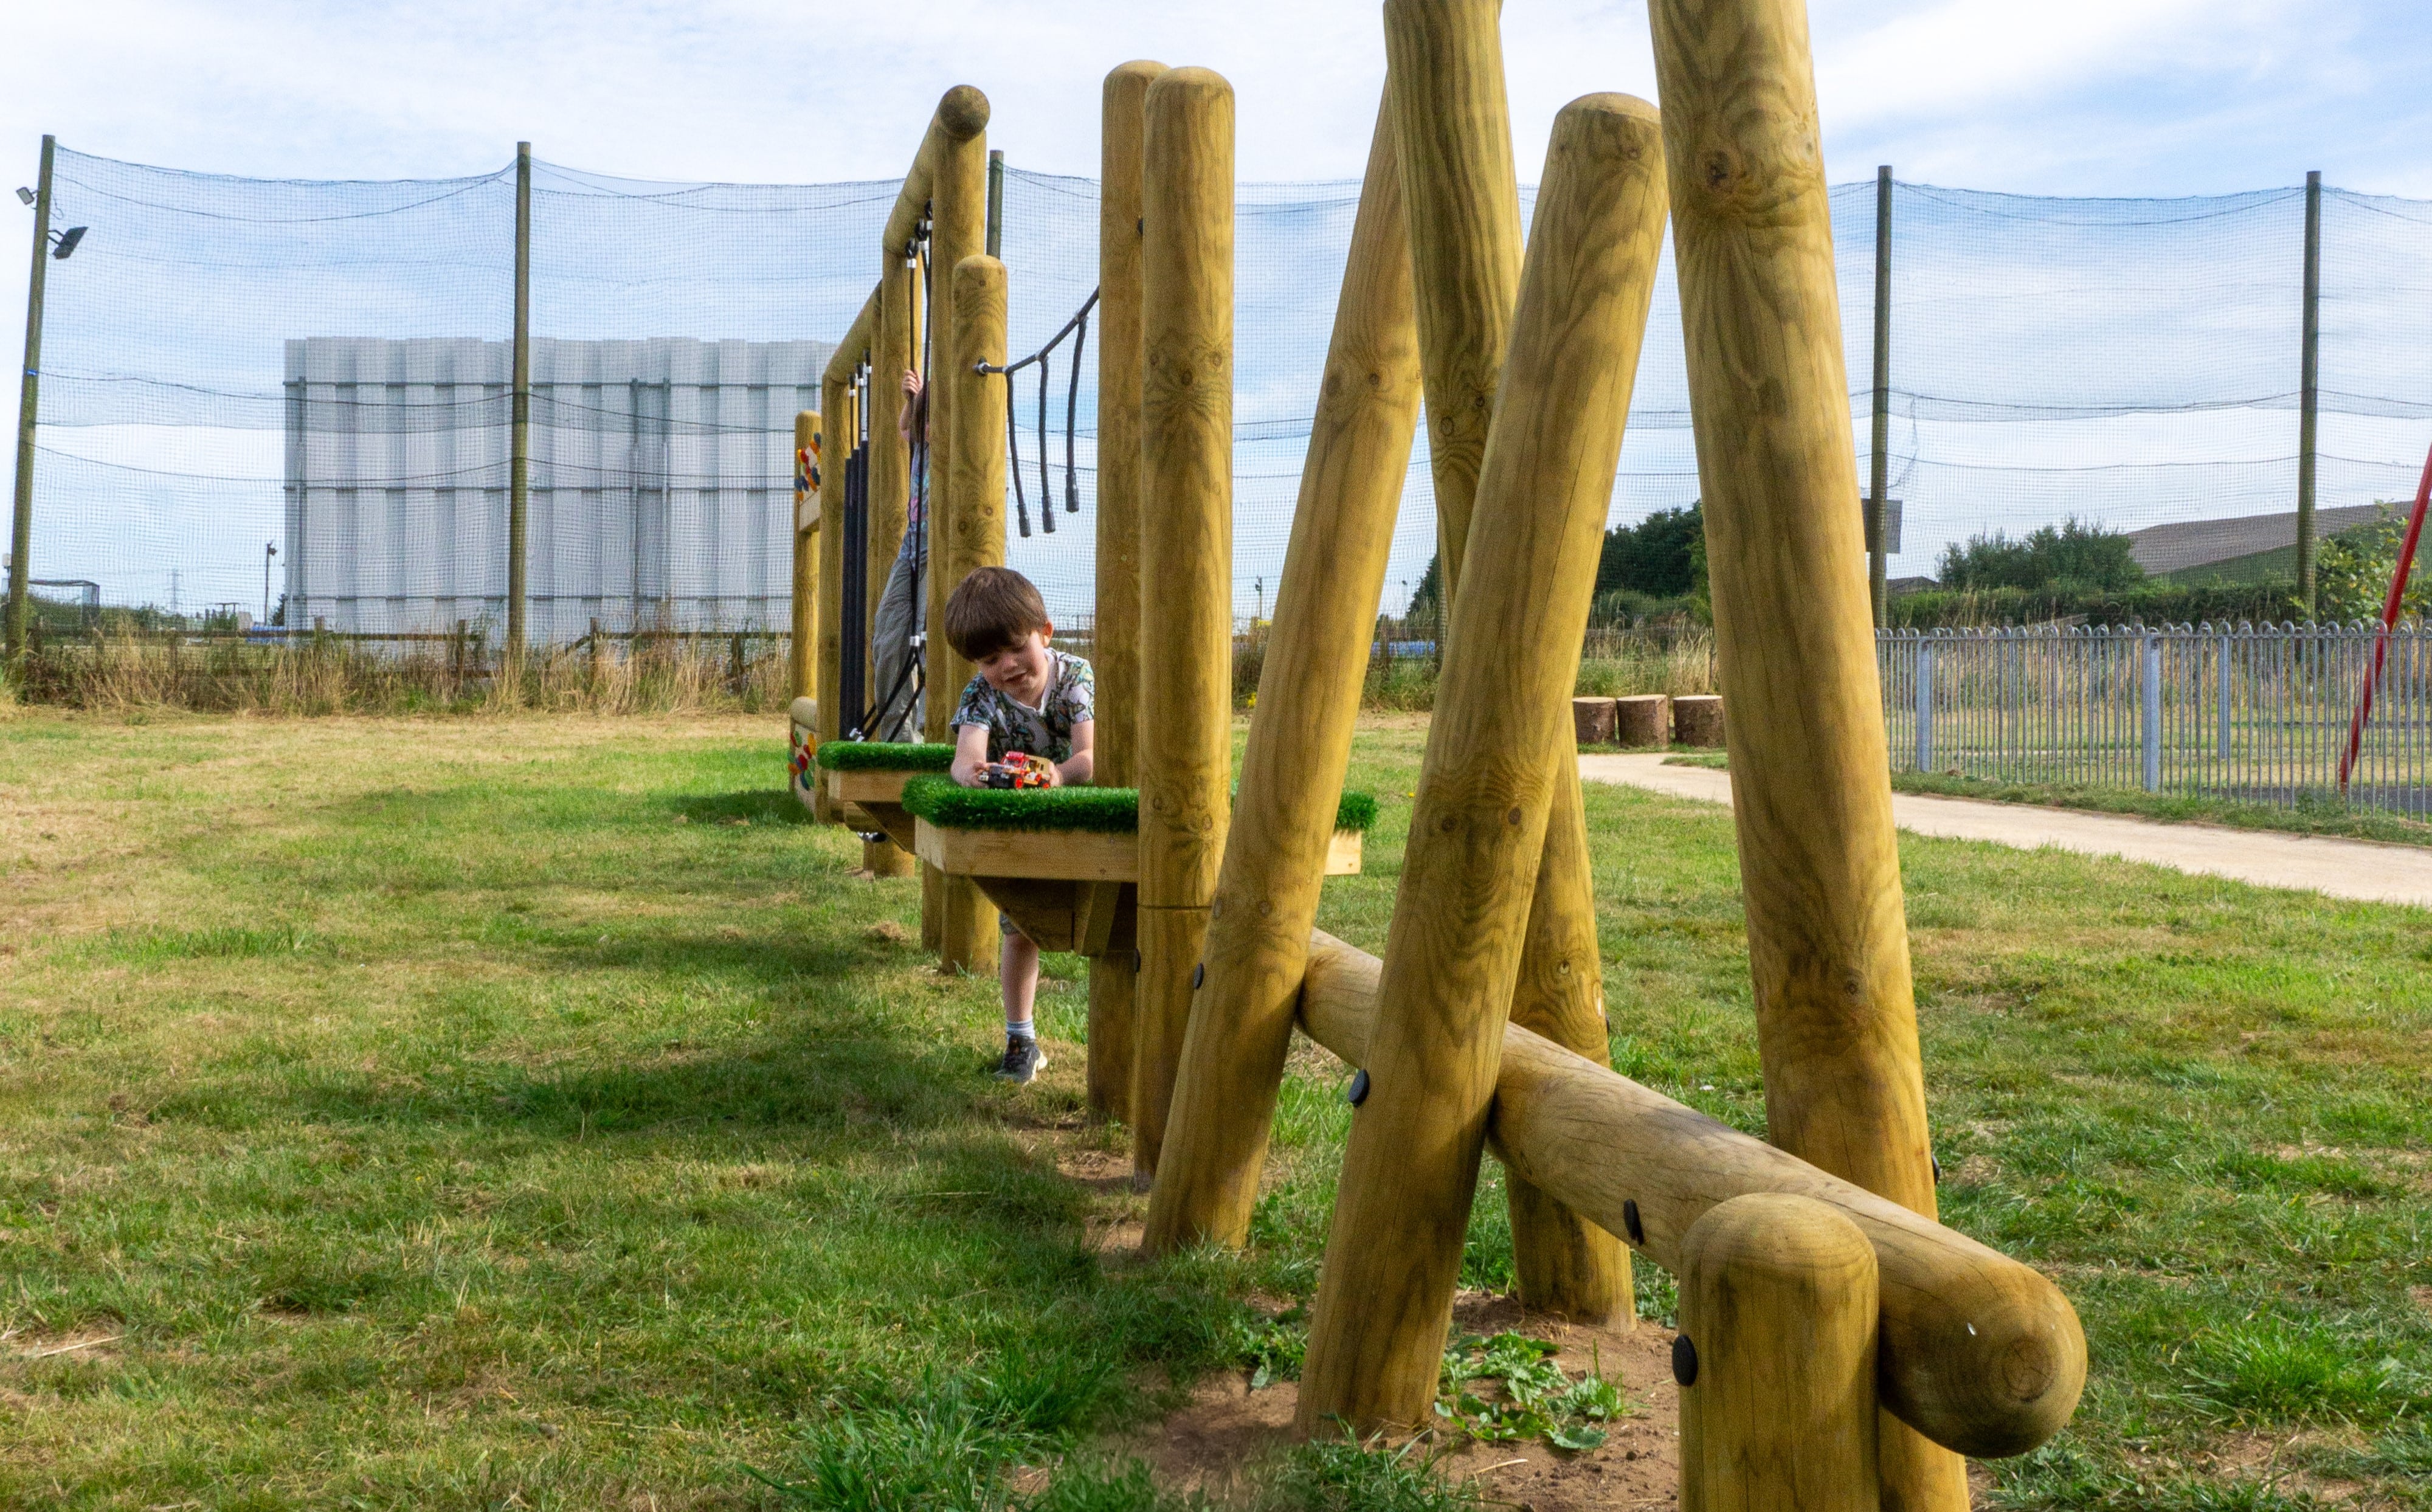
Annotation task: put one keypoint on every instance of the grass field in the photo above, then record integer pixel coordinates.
(530, 1112)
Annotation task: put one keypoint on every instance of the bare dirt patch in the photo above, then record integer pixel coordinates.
(81, 1344)
(1217, 1441)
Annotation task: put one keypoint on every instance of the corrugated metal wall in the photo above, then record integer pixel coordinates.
(661, 482)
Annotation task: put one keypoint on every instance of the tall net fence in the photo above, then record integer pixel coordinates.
(292, 398)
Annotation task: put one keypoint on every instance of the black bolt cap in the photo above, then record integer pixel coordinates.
(1357, 1091)
(1684, 1360)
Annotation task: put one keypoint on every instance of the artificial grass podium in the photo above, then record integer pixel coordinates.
(947, 804)
(883, 756)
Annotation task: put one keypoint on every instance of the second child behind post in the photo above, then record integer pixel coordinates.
(1028, 700)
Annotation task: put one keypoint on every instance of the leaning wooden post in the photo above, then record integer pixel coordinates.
(1446, 68)
(801, 681)
(1769, 398)
(1300, 738)
(1776, 1360)
(1114, 642)
(955, 155)
(1477, 827)
(890, 479)
(1186, 710)
(973, 534)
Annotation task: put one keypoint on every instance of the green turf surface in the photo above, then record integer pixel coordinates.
(534, 1112)
(941, 800)
(883, 756)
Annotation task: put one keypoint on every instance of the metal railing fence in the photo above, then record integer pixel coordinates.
(2258, 713)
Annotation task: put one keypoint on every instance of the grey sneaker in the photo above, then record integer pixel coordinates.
(1023, 1060)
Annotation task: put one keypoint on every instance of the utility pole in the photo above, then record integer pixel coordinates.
(519, 433)
(2309, 360)
(21, 527)
(1879, 470)
(996, 203)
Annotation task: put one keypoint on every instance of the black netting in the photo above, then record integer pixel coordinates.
(234, 364)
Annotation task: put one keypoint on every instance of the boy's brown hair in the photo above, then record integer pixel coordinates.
(993, 610)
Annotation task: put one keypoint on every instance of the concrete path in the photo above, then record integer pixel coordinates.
(2342, 868)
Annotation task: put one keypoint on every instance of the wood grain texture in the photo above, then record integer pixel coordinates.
(1186, 713)
(1070, 855)
(958, 230)
(1827, 945)
(1452, 127)
(1777, 1297)
(801, 649)
(835, 442)
(1477, 824)
(890, 484)
(1445, 94)
(1564, 1263)
(1282, 832)
(1114, 653)
(1114, 999)
(1981, 1353)
(968, 530)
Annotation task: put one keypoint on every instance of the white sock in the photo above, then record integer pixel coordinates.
(1019, 1030)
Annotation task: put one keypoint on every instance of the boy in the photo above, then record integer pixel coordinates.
(1029, 700)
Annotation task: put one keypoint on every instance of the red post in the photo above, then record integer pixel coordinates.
(2389, 623)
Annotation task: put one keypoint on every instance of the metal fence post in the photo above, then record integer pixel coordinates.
(2309, 362)
(2152, 721)
(519, 434)
(1879, 464)
(2224, 699)
(995, 236)
(21, 530)
(1924, 704)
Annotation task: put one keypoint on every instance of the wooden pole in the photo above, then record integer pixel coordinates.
(1114, 643)
(1776, 1360)
(801, 677)
(1878, 461)
(1445, 73)
(959, 190)
(1981, 1353)
(21, 517)
(519, 419)
(1769, 400)
(890, 479)
(1477, 827)
(1185, 738)
(974, 533)
(2309, 362)
(1300, 736)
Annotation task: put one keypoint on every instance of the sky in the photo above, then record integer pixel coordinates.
(2103, 97)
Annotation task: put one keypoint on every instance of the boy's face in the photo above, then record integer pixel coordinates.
(1020, 670)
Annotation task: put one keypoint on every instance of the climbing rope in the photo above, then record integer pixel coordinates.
(1078, 328)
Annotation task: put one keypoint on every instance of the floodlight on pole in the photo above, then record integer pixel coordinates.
(24, 195)
(66, 241)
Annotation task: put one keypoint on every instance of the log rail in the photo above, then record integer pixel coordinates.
(1978, 1352)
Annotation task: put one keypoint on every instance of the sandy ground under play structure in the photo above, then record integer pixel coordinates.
(1213, 1444)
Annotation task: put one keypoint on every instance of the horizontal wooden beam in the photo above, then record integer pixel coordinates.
(1979, 1352)
(847, 356)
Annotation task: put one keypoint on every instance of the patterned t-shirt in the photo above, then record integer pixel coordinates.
(1046, 731)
